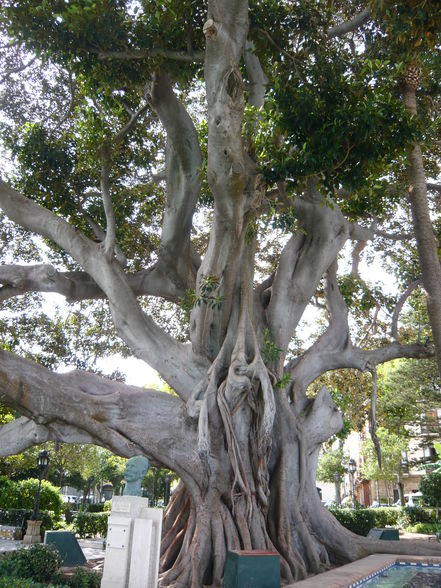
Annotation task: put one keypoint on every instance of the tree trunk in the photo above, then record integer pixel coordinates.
(426, 242)
(232, 513)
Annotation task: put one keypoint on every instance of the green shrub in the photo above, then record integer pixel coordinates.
(5, 484)
(359, 521)
(386, 516)
(39, 563)
(107, 506)
(22, 495)
(426, 528)
(411, 515)
(9, 582)
(67, 511)
(95, 507)
(83, 578)
(88, 524)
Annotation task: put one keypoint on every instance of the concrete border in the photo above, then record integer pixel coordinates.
(348, 575)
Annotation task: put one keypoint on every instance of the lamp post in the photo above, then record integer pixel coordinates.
(33, 526)
(352, 466)
(166, 489)
(337, 480)
(42, 463)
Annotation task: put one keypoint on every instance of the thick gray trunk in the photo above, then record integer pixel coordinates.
(426, 242)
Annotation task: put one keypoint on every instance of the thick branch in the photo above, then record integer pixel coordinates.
(76, 286)
(130, 54)
(110, 239)
(350, 25)
(183, 166)
(173, 360)
(312, 365)
(302, 263)
(256, 75)
(23, 433)
(427, 245)
(125, 419)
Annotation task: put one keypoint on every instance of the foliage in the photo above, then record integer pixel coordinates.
(411, 515)
(406, 388)
(359, 521)
(22, 495)
(362, 520)
(392, 447)
(81, 578)
(91, 524)
(154, 483)
(11, 582)
(95, 507)
(17, 517)
(386, 516)
(430, 486)
(38, 563)
(424, 528)
(331, 462)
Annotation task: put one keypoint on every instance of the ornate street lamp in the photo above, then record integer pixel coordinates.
(33, 524)
(42, 463)
(352, 466)
(167, 489)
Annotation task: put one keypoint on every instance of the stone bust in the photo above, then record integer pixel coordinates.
(136, 469)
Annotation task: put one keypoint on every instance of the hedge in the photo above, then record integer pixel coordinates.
(411, 515)
(362, 520)
(359, 521)
(386, 516)
(88, 524)
(95, 507)
(17, 517)
(22, 495)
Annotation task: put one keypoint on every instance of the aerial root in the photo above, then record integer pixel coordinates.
(177, 504)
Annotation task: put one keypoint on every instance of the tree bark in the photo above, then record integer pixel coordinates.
(426, 243)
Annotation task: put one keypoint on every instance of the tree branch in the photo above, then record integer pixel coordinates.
(173, 360)
(110, 239)
(350, 25)
(23, 433)
(434, 187)
(76, 286)
(89, 408)
(304, 260)
(257, 77)
(351, 357)
(16, 69)
(129, 54)
(404, 296)
(183, 168)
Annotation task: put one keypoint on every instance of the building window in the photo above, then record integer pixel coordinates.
(429, 453)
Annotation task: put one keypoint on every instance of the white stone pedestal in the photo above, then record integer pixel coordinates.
(133, 544)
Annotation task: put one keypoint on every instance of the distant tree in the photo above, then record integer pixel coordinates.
(430, 486)
(331, 462)
(392, 447)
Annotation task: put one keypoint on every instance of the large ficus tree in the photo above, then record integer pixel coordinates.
(194, 171)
